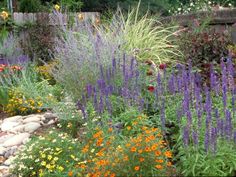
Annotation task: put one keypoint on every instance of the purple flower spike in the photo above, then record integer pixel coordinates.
(186, 136)
(207, 139)
(195, 137)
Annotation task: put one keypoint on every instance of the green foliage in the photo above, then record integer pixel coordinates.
(195, 162)
(30, 6)
(71, 5)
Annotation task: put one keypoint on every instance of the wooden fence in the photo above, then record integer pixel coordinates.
(24, 18)
(218, 19)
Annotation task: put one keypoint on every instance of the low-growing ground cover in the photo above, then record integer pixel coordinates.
(125, 109)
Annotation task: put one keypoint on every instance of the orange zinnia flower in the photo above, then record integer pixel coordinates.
(70, 173)
(168, 154)
(160, 160)
(137, 168)
(141, 159)
(83, 166)
(126, 158)
(110, 129)
(152, 137)
(148, 149)
(140, 151)
(154, 147)
(169, 164)
(99, 141)
(159, 167)
(129, 127)
(157, 153)
(113, 175)
(133, 149)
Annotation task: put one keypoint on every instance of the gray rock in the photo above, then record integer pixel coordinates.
(6, 126)
(2, 151)
(32, 126)
(51, 122)
(5, 138)
(19, 128)
(34, 118)
(49, 115)
(13, 119)
(9, 161)
(16, 140)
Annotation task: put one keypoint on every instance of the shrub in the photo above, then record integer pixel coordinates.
(204, 47)
(80, 55)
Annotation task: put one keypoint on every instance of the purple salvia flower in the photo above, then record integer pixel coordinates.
(228, 125)
(179, 115)
(141, 104)
(89, 89)
(207, 139)
(213, 139)
(101, 105)
(199, 116)
(113, 66)
(189, 118)
(186, 135)
(195, 137)
(95, 101)
(235, 137)
(102, 72)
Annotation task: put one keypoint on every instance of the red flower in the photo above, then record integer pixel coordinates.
(162, 66)
(206, 65)
(151, 88)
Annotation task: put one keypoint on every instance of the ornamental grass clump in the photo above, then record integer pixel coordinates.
(144, 36)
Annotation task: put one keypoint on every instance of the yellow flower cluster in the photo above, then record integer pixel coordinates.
(4, 15)
(45, 71)
(18, 104)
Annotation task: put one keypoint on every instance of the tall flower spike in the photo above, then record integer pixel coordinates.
(186, 135)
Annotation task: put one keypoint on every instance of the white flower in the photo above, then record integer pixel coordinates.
(179, 9)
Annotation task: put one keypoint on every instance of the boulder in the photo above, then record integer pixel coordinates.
(34, 118)
(32, 126)
(6, 126)
(13, 119)
(16, 140)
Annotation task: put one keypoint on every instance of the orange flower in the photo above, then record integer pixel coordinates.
(148, 131)
(141, 159)
(128, 145)
(160, 160)
(148, 149)
(152, 137)
(129, 127)
(159, 167)
(99, 142)
(135, 123)
(169, 164)
(100, 153)
(168, 154)
(113, 175)
(98, 134)
(144, 128)
(126, 158)
(83, 166)
(140, 151)
(70, 173)
(139, 117)
(157, 153)
(154, 147)
(147, 140)
(85, 149)
(133, 149)
(136, 168)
